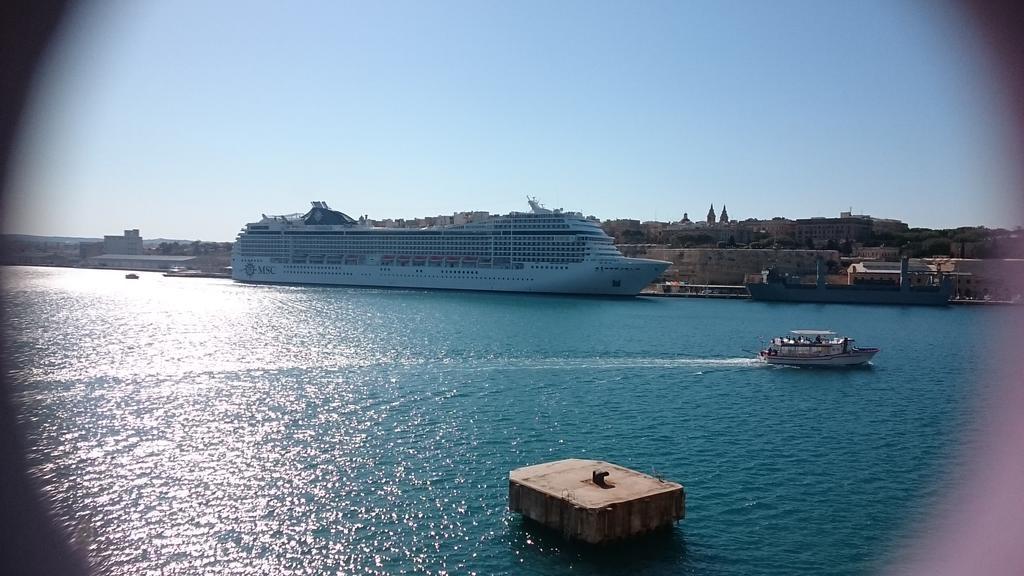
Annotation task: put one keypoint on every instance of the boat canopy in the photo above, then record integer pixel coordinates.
(812, 332)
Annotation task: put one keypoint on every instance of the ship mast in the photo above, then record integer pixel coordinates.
(536, 206)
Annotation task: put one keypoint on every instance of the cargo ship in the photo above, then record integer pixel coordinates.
(775, 287)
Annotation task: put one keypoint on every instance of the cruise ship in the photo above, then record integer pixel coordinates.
(548, 251)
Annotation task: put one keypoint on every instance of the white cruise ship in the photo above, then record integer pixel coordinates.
(548, 251)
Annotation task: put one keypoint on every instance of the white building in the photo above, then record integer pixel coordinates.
(460, 218)
(139, 261)
(130, 243)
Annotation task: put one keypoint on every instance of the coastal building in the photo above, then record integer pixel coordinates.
(869, 272)
(992, 278)
(777, 227)
(460, 218)
(880, 253)
(700, 234)
(653, 228)
(712, 230)
(456, 219)
(848, 227)
(89, 249)
(820, 230)
(879, 225)
(618, 228)
(126, 252)
(140, 262)
(727, 266)
(128, 243)
(36, 253)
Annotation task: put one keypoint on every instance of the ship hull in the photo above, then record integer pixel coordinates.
(627, 278)
(922, 296)
(853, 358)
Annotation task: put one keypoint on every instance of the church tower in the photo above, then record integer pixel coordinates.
(711, 216)
(725, 216)
(686, 218)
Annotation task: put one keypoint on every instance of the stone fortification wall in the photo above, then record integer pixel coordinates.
(729, 266)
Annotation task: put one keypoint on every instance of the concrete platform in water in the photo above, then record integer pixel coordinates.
(594, 501)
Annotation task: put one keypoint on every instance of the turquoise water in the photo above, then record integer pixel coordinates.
(198, 425)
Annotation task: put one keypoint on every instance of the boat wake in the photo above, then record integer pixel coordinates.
(606, 363)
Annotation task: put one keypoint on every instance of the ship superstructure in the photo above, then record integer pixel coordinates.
(543, 250)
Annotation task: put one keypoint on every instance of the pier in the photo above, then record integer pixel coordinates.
(676, 290)
(594, 501)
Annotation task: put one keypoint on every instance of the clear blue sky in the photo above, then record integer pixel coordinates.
(188, 118)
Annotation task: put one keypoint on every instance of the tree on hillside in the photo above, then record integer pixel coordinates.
(692, 240)
(631, 237)
(935, 247)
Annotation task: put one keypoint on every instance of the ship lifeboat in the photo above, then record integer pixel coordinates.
(350, 259)
(404, 258)
(387, 259)
(469, 258)
(435, 258)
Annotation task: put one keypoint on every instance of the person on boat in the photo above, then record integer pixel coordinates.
(846, 343)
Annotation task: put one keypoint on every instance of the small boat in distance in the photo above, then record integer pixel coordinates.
(815, 348)
(131, 276)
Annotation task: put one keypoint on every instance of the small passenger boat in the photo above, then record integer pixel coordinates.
(815, 348)
(131, 276)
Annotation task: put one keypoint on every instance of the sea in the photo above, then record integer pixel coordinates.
(200, 426)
